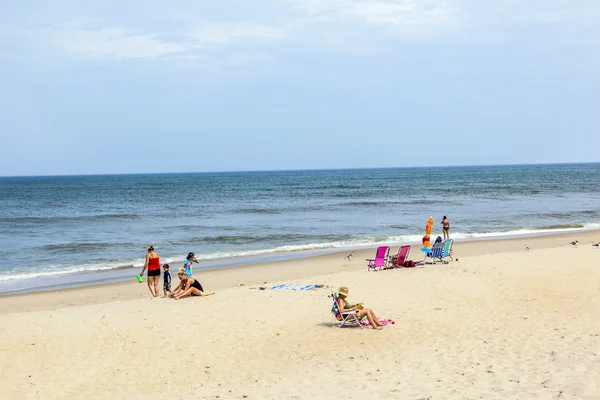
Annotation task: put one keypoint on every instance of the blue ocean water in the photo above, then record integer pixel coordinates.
(69, 230)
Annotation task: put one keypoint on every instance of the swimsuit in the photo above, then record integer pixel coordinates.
(154, 266)
(197, 285)
(347, 306)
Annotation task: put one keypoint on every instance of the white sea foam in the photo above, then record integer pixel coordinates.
(365, 242)
(57, 270)
(391, 240)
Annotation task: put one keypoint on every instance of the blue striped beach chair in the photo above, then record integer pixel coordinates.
(440, 251)
(434, 253)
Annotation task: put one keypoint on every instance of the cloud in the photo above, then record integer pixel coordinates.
(188, 30)
(106, 35)
(112, 43)
(92, 40)
(229, 32)
(420, 14)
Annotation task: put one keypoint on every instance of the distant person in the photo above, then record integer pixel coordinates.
(166, 280)
(188, 287)
(153, 265)
(188, 265)
(446, 227)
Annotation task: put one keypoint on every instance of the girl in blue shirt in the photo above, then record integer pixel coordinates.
(189, 263)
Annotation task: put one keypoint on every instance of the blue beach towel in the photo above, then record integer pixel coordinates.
(294, 287)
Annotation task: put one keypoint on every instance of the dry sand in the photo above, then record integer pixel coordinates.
(501, 323)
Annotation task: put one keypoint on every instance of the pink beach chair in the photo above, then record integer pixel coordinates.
(399, 259)
(381, 259)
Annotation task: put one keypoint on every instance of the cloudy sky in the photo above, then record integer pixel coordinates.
(154, 86)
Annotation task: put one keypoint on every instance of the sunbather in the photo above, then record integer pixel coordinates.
(345, 307)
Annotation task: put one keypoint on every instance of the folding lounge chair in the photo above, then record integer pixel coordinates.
(447, 250)
(343, 318)
(398, 260)
(381, 258)
(434, 253)
(443, 251)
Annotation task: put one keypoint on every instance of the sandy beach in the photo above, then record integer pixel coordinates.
(499, 323)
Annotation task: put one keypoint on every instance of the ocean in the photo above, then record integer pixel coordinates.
(63, 231)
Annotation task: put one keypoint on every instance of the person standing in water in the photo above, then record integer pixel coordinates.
(446, 227)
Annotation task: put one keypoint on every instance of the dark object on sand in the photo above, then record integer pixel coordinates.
(574, 243)
(349, 256)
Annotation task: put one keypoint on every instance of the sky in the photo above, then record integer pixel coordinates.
(143, 86)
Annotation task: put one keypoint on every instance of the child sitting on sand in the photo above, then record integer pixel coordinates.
(166, 280)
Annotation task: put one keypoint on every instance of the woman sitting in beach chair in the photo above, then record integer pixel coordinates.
(188, 287)
(345, 307)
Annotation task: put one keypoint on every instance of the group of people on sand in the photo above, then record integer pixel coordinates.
(188, 285)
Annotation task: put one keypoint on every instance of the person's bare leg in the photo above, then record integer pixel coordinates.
(373, 317)
(206, 293)
(155, 285)
(151, 285)
(156, 282)
(186, 293)
(369, 316)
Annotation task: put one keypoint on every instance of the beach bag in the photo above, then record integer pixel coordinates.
(408, 264)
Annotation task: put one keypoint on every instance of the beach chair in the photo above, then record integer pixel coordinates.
(381, 259)
(444, 250)
(447, 251)
(343, 318)
(398, 260)
(434, 253)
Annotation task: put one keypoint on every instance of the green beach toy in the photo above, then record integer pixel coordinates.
(140, 279)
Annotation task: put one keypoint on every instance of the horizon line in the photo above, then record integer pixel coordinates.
(294, 170)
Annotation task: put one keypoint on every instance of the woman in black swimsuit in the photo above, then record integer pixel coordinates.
(188, 287)
(446, 226)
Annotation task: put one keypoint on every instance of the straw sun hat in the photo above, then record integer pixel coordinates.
(343, 290)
